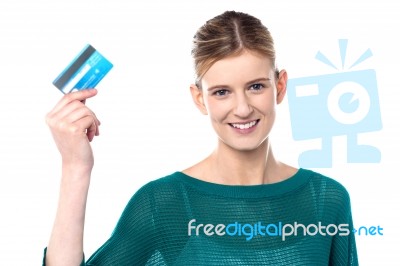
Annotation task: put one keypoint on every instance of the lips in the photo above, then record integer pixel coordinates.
(245, 125)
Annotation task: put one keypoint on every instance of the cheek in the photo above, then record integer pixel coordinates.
(265, 105)
(217, 109)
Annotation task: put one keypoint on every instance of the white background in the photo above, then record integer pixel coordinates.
(150, 127)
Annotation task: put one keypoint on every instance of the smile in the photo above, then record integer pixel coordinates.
(244, 125)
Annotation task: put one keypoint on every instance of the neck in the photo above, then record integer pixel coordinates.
(233, 167)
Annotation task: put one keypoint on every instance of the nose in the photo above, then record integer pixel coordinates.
(243, 107)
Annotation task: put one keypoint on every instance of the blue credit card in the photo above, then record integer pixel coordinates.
(86, 70)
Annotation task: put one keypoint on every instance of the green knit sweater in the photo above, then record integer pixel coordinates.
(180, 220)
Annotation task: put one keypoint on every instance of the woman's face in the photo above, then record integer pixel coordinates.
(240, 94)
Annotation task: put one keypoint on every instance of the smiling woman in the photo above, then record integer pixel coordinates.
(170, 221)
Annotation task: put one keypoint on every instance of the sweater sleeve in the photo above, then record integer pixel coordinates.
(343, 248)
(44, 259)
(131, 242)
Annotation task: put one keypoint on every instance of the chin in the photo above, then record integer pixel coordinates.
(245, 147)
(244, 144)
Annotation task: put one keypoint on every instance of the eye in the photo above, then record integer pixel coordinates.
(257, 87)
(220, 93)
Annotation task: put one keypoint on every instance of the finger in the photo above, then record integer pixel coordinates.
(97, 133)
(68, 109)
(81, 113)
(72, 123)
(71, 112)
(92, 131)
(81, 95)
(86, 125)
(74, 111)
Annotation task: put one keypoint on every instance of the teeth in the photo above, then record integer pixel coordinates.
(244, 126)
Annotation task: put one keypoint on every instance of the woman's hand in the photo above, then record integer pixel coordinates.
(73, 126)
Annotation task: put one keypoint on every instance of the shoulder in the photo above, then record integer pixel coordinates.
(161, 189)
(330, 198)
(162, 184)
(155, 193)
(327, 187)
(324, 180)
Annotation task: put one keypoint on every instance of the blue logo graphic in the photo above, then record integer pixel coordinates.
(344, 103)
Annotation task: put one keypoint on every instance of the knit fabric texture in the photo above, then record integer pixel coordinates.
(180, 220)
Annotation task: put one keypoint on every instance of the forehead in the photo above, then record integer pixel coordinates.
(239, 68)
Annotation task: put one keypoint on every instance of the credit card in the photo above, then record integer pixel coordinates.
(86, 70)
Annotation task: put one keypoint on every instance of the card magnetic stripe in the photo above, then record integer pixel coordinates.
(64, 77)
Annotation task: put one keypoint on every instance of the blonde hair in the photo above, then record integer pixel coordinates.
(229, 34)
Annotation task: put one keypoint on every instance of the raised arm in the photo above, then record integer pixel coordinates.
(73, 126)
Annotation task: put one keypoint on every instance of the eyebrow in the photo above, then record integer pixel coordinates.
(247, 83)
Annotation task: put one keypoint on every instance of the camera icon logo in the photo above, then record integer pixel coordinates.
(325, 106)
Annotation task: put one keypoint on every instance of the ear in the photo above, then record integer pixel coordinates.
(281, 86)
(197, 96)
